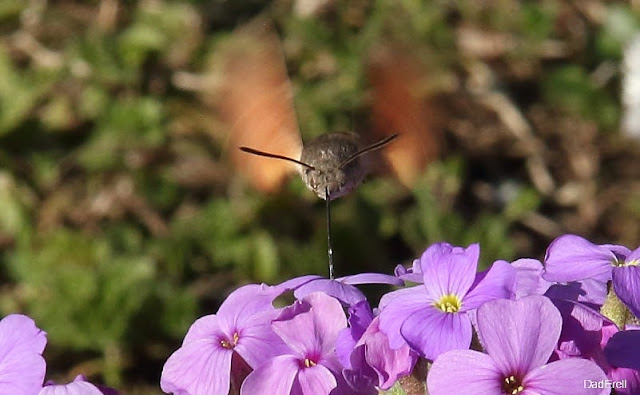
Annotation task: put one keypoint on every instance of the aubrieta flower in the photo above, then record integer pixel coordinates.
(310, 366)
(79, 386)
(22, 367)
(220, 346)
(573, 258)
(364, 351)
(519, 338)
(433, 317)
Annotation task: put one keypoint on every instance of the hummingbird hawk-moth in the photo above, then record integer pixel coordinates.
(256, 100)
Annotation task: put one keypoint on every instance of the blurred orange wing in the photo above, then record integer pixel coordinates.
(399, 107)
(256, 103)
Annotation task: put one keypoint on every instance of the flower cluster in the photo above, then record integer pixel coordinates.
(519, 327)
(22, 367)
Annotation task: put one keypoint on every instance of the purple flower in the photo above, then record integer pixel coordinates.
(433, 317)
(22, 366)
(219, 347)
(341, 288)
(309, 328)
(365, 353)
(573, 258)
(519, 337)
(79, 386)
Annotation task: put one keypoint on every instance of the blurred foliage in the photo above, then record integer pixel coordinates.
(121, 220)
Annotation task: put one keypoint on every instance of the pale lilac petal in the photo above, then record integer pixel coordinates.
(295, 283)
(633, 256)
(345, 293)
(388, 364)
(566, 376)
(398, 305)
(360, 316)
(316, 380)
(573, 258)
(626, 284)
(623, 349)
(529, 279)
(274, 377)
(412, 274)
(198, 367)
(243, 304)
(370, 278)
(430, 332)
(311, 332)
(22, 367)
(258, 343)
(526, 335)
(448, 270)
(498, 283)
(77, 387)
(464, 372)
(205, 327)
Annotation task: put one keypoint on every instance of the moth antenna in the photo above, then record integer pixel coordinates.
(274, 156)
(366, 150)
(329, 246)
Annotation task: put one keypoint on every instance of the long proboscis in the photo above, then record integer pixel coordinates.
(366, 150)
(274, 156)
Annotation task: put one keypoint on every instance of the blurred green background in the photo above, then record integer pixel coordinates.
(121, 220)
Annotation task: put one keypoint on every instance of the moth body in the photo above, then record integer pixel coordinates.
(329, 166)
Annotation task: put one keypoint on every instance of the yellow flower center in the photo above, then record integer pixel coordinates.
(512, 385)
(309, 363)
(449, 303)
(230, 344)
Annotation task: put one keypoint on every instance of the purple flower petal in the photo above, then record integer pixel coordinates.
(474, 373)
(243, 304)
(345, 293)
(312, 332)
(22, 367)
(316, 380)
(622, 350)
(79, 386)
(528, 331)
(573, 258)
(276, 376)
(295, 283)
(388, 364)
(498, 283)
(360, 316)
(626, 284)
(412, 274)
(448, 270)
(567, 376)
(396, 306)
(430, 332)
(633, 256)
(370, 278)
(529, 279)
(198, 367)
